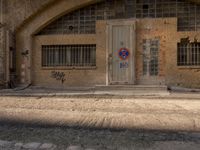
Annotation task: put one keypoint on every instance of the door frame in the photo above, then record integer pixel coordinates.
(109, 25)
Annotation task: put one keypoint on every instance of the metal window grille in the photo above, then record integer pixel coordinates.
(188, 54)
(150, 57)
(83, 21)
(68, 55)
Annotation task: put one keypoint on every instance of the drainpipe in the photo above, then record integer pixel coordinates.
(1, 11)
(2, 45)
(5, 45)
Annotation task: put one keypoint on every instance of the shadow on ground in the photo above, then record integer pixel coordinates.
(97, 138)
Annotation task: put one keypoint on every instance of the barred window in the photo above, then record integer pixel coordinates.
(68, 55)
(188, 54)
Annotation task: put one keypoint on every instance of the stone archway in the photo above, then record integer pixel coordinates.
(32, 25)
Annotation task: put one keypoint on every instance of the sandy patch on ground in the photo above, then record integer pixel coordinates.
(128, 113)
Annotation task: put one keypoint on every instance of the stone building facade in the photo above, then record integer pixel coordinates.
(68, 43)
(12, 14)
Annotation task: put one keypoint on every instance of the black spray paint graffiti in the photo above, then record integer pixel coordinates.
(60, 76)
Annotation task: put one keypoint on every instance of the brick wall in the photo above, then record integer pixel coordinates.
(73, 77)
(165, 30)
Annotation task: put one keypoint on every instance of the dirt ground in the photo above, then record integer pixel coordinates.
(103, 123)
(104, 112)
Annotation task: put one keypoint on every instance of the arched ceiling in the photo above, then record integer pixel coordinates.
(195, 1)
(52, 2)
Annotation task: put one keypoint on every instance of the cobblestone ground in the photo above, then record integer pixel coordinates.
(23, 137)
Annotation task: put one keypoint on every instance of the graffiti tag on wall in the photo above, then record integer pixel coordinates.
(59, 76)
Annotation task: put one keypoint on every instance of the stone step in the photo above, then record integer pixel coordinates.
(132, 90)
(132, 87)
(137, 90)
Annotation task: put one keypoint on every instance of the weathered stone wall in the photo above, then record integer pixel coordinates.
(16, 11)
(166, 31)
(12, 14)
(184, 76)
(163, 29)
(89, 76)
(24, 36)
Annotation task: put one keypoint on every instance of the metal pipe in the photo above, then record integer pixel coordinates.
(1, 12)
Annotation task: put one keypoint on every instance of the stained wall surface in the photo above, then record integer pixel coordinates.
(72, 77)
(165, 30)
(36, 14)
(16, 11)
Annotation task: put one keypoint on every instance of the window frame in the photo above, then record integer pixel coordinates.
(187, 52)
(64, 60)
